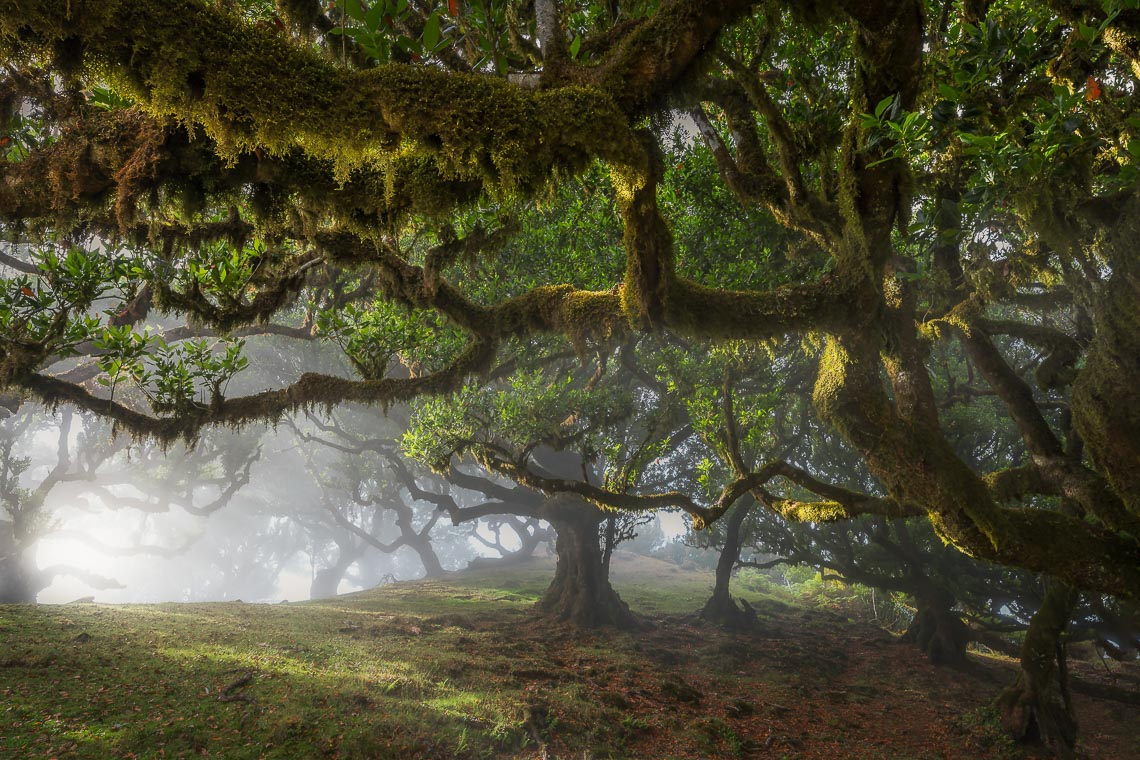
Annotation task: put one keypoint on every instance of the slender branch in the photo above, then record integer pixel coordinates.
(778, 126)
(135, 550)
(18, 264)
(364, 535)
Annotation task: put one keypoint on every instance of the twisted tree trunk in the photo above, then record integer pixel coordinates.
(581, 593)
(721, 607)
(327, 580)
(1037, 707)
(937, 630)
(421, 545)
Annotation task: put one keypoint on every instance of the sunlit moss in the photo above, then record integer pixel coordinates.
(811, 511)
(230, 84)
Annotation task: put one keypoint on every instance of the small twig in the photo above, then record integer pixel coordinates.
(227, 693)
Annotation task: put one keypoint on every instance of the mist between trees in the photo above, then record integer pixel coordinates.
(352, 292)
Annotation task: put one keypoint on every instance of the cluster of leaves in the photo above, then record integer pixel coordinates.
(50, 309)
(108, 99)
(174, 378)
(55, 312)
(579, 221)
(489, 36)
(1029, 126)
(744, 249)
(23, 133)
(389, 30)
(377, 29)
(222, 268)
(529, 409)
(372, 335)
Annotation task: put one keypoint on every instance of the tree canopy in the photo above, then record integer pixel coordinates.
(932, 206)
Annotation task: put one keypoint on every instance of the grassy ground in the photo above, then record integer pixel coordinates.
(460, 668)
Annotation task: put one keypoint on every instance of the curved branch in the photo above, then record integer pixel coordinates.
(18, 264)
(94, 580)
(778, 126)
(507, 138)
(136, 550)
(310, 390)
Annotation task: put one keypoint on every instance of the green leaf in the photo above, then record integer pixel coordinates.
(883, 105)
(431, 35)
(374, 17)
(353, 9)
(408, 45)
(575, 46)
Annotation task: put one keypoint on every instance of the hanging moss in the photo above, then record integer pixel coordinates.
(209, 68)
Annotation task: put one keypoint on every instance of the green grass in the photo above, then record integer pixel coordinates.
(460, 667)
(391, 672)
(353, 676)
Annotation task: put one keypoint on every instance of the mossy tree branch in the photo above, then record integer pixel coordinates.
(309, 391)
(475, 126)
(917, 465)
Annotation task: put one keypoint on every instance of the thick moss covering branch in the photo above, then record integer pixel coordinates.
(113, 172)
(918, 465)
(191, 61)
(654, 295)
(311, 390)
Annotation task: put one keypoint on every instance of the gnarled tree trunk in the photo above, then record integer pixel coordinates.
(721, 607)
(581, 592)
(1037, 707)
(18, 574)
(937, 630)
(421, 545)
(327, 580)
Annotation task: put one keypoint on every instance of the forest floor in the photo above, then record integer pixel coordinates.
(459, 668)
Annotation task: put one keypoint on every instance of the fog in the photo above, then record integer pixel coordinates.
(185, 578)
(254, 515)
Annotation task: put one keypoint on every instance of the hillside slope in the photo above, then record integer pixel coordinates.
(459, 668)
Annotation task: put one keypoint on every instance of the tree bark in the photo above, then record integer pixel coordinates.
(327, 580)
(1037, 707)
(421, 545)
(581, 593)
(937, 630)
(18, 574)
(721, 607)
